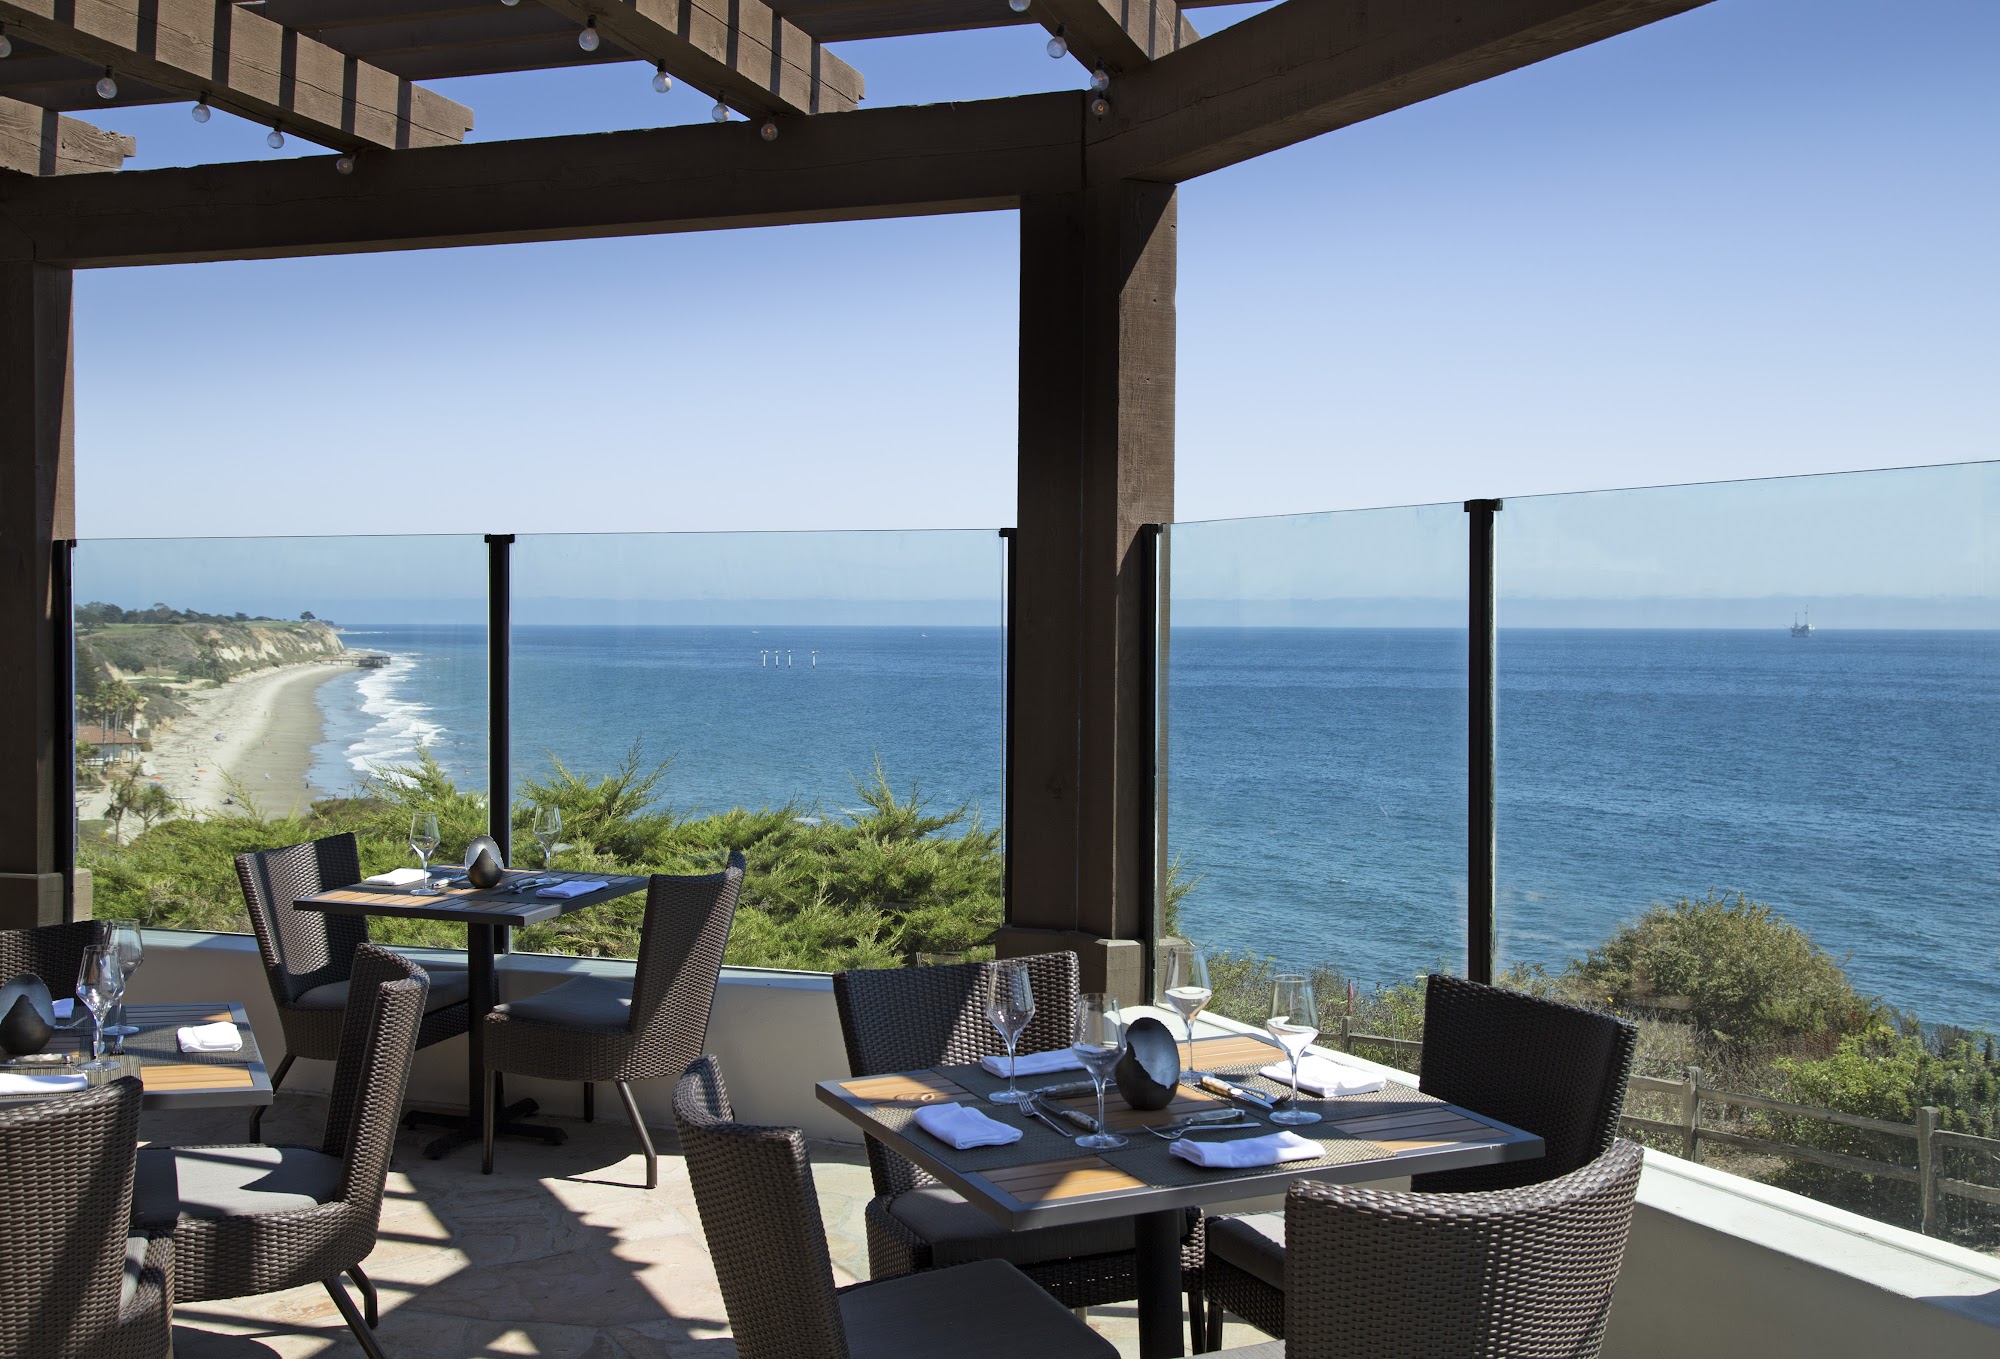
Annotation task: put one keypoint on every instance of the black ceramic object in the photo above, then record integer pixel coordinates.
(1150, 1070)
(482, 862)
(27, 1019)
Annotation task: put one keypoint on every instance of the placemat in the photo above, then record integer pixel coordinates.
(1390, 1099)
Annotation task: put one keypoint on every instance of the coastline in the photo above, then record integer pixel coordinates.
(258, 730)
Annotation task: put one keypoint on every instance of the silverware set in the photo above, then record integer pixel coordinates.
(1040, 1109)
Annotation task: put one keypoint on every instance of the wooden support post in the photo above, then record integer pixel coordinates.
(1691, 1115)
(1096, 470)
(37, 512)
(1927, 1170)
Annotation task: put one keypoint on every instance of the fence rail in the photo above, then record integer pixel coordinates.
(1692, 1094)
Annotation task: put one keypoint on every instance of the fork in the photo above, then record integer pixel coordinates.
(1180, 1130)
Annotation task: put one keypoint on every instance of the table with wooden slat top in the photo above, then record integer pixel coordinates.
(172, 1079)
(484, 914)
(1045, 1181)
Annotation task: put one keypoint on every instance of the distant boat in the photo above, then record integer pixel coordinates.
(1802, 629)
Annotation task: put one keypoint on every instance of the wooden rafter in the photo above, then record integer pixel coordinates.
(242, 62)
(1118, 35)
(39, 141)
(1309, 66)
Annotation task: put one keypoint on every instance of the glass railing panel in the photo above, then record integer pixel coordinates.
(242, 693)
(829, 703)
(1317, 762)
(1747, 792)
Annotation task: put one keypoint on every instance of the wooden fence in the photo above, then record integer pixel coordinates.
(1688, 1127)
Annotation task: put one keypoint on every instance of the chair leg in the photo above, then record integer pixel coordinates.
(590, 1101)
(1197, 1323)
(1214, 1326)
(645, 1138)
(355, 1321)
(257, 1114)
(369, 1307)
(488, 1088)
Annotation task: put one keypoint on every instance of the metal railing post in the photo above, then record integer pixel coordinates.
(1482, 644)
(499, 690)
(1007, 543)
(62, 611)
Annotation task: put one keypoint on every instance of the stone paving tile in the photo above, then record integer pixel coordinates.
(560, 1253)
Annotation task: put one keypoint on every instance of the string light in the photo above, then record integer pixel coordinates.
(6, 43)
(662, 82)
(201, 112)
(1100, 80)
(510, 3)
(769, 132)
(1018, 6)
(107, 88)
(1100, 106)
(276, 138)
(345, 164)
(587, 39)
(720, 113)
(1058, 45)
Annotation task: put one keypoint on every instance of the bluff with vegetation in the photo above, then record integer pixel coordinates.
(201, 647)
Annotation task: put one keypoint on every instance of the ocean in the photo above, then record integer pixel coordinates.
(1317, 777)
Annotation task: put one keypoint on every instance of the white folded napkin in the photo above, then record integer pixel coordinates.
(1274, 1149)
(398, 877)
(53, 1083)
(580, 887)
(965, 1127)
(220, 1036)
(1325, 1077)
(1033, 1063)
(63, 1007)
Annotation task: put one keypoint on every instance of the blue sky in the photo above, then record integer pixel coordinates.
(1752, 240)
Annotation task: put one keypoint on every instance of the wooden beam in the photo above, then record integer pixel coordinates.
(1118, 35)
(892, 162)
(242, 62)
(1309, 66)
(38, 141)
(740, 51)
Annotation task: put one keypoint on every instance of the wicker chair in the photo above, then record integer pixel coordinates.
(75, 1281)
(52, 952)
(754, 1188)
(907, 1019)
(258, 1219)
(1488, 1273)
(308, 955)
(1553, 1070)
(600, 1029)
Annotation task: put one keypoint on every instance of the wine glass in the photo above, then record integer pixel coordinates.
(424, 840)
(1099, 1043)
(1188, 991)
(123, 938)
(100, 981)
(1010, 1004)
(1293, 1025)
(547, 825)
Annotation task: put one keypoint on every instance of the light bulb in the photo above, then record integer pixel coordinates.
(107, 88)
(1058, 45)
(769, 132)
(1100, 106)
(510, 3)
(201, 112)
(1018, 6)
(345, 164)
(275, 140)
(1100, 80)
(6, 46)
(662, 82)
(587, 39)
(720, 113)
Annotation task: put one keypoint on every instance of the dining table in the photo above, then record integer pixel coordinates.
(1044, 1180)
(510, 904)
(172, 1079)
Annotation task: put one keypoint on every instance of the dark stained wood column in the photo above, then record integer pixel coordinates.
(37, 508)
(1096, 471)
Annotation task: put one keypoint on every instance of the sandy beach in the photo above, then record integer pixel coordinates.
(257, 730)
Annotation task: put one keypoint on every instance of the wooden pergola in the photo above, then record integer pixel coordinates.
(1093, 179)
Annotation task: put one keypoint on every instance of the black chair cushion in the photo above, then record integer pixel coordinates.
(1253, 1242)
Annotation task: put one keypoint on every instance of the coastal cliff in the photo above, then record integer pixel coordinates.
(199, 650)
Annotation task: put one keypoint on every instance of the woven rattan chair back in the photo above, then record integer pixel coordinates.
(302, 949)
(910, 1018)
(680, 958)
(1527, 1271)
(378, 1043)
(66, 1180)
(1553, 1070)
(754, 1188)
(52, 952)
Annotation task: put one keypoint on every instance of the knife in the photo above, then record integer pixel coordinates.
(1069, 1091)
(1217, 1086)
(1074, 1117)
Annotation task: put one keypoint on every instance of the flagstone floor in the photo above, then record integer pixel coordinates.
(559, 1253)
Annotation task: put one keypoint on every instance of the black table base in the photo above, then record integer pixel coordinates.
(1157, 1245)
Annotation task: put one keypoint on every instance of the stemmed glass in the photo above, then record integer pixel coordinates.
(1188, 991)
(424, 840)
(1293, 1025)
(100, 982)
(1010, 1004)
(1099, 1043)
(547, 825)
(122, 938)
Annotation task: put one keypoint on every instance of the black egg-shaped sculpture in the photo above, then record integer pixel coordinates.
(27, 1019)
(1150, 1070)
(482, 862)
